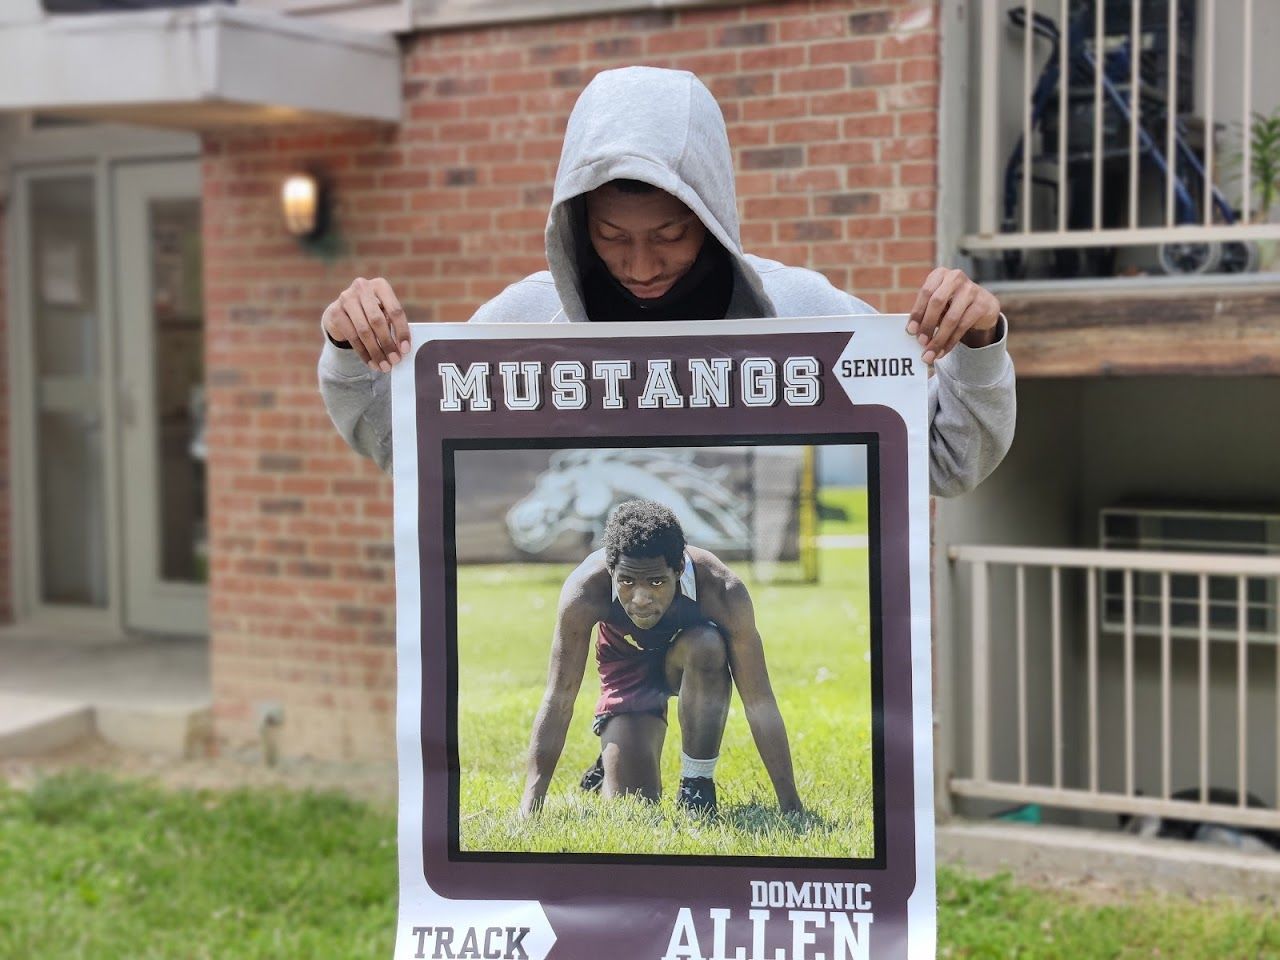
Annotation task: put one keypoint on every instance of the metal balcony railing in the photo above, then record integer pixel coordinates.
(1055, 686)
(1098, 120)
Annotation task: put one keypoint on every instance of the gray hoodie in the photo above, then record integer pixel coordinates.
(664, 127)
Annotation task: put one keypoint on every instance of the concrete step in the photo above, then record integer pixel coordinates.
(30, 726)
(1065, 856)
(181, 732)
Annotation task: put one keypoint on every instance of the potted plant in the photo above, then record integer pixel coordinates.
(1261, 200)
(1264, 163)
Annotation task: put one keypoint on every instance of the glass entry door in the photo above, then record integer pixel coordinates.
(61, 353)
(161, 337)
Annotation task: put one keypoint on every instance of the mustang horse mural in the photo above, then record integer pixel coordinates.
(580, 487)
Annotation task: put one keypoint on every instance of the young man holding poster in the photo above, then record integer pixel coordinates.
(644, 226)
(670, 620)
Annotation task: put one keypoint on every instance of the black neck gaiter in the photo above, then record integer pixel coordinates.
(703, 293)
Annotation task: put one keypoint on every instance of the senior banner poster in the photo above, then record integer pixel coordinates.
(663, 642)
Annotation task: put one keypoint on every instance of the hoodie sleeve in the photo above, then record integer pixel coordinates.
(972, 409)
(358, 401)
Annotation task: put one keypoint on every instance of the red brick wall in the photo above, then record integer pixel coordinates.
(6, 484)
(832, 110)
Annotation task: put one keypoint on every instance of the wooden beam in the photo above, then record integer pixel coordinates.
(1197, 333)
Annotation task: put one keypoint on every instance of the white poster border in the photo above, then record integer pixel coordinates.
(872, 335)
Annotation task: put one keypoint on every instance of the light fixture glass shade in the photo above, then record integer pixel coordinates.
(300, 200)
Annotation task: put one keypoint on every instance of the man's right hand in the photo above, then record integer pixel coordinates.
(368, 316)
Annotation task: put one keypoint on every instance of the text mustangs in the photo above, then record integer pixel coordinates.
(617, 384)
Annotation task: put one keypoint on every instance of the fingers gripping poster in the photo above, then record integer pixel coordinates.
(663, 642)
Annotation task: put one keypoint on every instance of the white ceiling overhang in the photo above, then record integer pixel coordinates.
(199, 68)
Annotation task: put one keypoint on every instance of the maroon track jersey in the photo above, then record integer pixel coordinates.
(632, 661)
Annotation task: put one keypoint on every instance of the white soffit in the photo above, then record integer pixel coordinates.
(199, 68)
(433, 14)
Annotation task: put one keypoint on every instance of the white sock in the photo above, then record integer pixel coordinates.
(690, 767)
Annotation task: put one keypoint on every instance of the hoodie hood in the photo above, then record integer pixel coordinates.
(662, 127)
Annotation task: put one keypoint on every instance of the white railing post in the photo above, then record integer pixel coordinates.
(1100, 55)
(1135, 110)
(1092, 611)
(1055, 604)
(1171, 114)
(1247, 114)
(1210, 135)
(989, 120)
(1166, 691)
(1028, 46)
(1020, 575)
(1204, 688)
(1128, 684)
(981, 667)
(1242, 681)
(1064, 81)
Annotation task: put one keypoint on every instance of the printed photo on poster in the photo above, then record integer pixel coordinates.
(788, 526)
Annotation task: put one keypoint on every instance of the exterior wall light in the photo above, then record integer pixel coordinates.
(302, 200)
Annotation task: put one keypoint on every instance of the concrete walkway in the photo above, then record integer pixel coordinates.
(150, 694)
(1075, 856)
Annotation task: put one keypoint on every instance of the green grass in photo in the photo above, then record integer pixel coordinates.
(817, 642)
(842, 511)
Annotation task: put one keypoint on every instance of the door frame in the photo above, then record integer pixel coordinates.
(93, 149)
(150, 602)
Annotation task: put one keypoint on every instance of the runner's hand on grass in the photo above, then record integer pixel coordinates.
(368, 317)
(530, 804)
(951, 309)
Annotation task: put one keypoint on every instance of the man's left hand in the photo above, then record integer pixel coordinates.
(951, 309)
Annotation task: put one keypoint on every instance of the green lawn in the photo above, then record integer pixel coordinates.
(92, 869)
(95, 869)
(995, 918)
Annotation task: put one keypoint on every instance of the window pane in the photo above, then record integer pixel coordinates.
(68, 402)
(177, 315)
